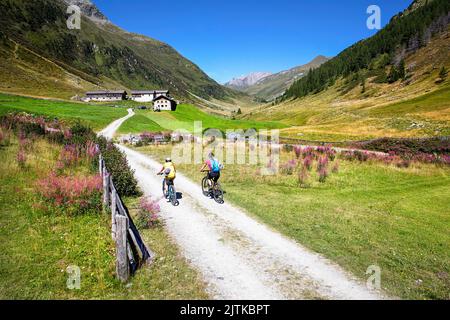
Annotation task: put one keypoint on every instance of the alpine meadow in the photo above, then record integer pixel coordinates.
(225, 151)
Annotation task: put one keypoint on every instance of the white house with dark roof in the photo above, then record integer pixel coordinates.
(147, 95)
(116, 95)
(164, 103)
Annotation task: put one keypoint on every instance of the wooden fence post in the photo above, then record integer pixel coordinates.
(106, 195)
(100, 164)
(122, 267)
(113, 210)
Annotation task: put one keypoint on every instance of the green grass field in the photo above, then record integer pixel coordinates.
(367, 214)
(184, 117)
(96, 116)
(417, 110)
(37, 245)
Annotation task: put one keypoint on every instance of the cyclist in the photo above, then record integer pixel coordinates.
(214, 168)
(171, 173)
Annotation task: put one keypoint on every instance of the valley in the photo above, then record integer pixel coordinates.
(349, 175)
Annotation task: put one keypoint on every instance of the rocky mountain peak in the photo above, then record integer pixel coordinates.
(89, 10)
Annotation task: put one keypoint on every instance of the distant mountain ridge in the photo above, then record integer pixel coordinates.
(274, 85)
(244, 82)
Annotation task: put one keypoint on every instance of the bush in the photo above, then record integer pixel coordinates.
(76, 195)
(323, 174)
(289, 167)
(79, 134)
(148, 214)
(117, 165)
(303, 176)
(308, 162)
(288, 148)
(298, 151)
(21, 158)
(439, 145)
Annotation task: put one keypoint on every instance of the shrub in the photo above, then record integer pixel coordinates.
(80, 135)
(289, 167)
(70, 155)
(323, 174)
(438, 145)
(148, 214)
(117, 165)
(288, 148)
(21, 158)
(361, 156)
(309, 152)
(4, 138)
(303, 177)
(322, 163)
(308, 162)
(74, 194)
(298, 151)
(404, 164)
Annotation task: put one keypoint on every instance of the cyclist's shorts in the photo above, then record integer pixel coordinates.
(214, 176)
(169, 181)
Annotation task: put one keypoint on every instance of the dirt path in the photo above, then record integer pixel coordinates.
(110, 130)
(238, 257)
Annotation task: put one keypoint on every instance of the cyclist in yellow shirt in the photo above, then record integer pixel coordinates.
(170, 173)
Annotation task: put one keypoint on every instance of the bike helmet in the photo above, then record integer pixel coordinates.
(168, 160)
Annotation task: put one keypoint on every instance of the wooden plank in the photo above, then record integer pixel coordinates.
(113, 212)
(106, 196)
(122, 266)
(121, 208)
(100, 164)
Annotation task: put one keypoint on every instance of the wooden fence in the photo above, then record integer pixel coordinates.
(131, 251)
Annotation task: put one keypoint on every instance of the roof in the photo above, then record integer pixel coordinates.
(149, 91)
(163, 97)
(106, 92)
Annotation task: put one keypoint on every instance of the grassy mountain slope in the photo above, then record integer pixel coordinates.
(275, 85)
(50, 59)
(406, 33)
(363, 104)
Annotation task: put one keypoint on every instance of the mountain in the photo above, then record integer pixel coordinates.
(406, 33)
(272, 86)
(40, 55)
(394, 84)
(247, 81)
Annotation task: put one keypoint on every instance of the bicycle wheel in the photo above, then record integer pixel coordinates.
(165, 190)
(205, 187)
(218, 193)
(173, 196)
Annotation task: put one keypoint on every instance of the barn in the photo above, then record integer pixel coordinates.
(117, 95)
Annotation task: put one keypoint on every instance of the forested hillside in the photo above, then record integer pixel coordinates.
(382, 55)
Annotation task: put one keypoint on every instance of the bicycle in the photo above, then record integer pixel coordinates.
(169, 192)
(216, 192)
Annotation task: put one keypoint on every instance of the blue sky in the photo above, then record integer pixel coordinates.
(231, 38)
